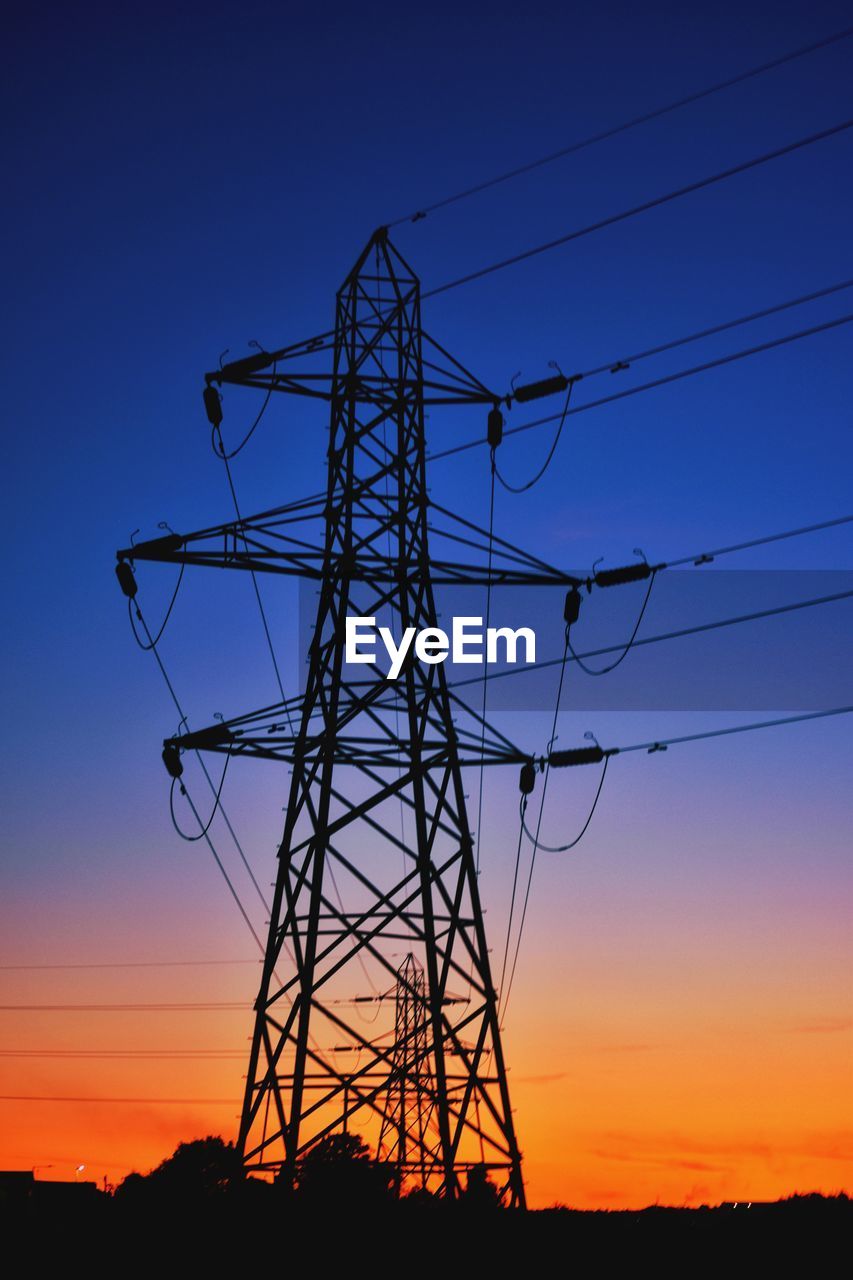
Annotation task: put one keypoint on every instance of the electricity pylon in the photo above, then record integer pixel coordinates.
(407, 1135)
(376, 501)
(377, 850)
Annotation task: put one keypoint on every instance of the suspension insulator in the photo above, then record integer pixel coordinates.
(172, 760)
(495, 428)
(575, 755)
(628, 573)
(126, 580)
(572, 607)
(527, 781)
(536, 390)
(212, 405)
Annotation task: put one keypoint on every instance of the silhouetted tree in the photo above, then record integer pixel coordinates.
(204, 1167)
(339, 1171)
(480, 1192)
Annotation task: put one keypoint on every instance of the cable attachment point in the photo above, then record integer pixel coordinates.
(212, 405)
(572, 606)
(656, 746)
(126, 580)
(495, 427)
(172, 759)
(527, 780)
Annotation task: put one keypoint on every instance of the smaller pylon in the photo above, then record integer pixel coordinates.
(407, 1137)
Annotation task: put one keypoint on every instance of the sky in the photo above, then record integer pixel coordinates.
(680, 1027)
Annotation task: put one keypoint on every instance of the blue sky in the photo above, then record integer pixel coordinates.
(185, 179)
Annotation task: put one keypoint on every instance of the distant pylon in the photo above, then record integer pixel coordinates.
(408, 1138)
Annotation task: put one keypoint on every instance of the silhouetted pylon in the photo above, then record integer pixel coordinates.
(376, 859)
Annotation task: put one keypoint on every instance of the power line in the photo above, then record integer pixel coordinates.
(155, 1007)
(41, 1097)
(493, 472)
(681, 633)
(564, 848)
(164, 1006)
(704, 557)
(207, 837)
(655, 203)
(216, 804)
(179, 1055)
(272, 653)
(130, 610)
(516, 870)
(657, 745)
(261, 609)
(611, 666)
(717, 363)
(528, 484)
(216, 435)
(547, 773)
(616, 366)
(127, 964)
(661, 744)
(605, 134)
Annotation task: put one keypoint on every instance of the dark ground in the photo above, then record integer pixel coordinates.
(257, 1223)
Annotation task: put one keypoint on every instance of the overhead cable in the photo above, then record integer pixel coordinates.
(604, 134)
(656, 202)
(663, 381)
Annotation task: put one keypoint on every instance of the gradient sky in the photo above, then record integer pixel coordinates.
(198, 177)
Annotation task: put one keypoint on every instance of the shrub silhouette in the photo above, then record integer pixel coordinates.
(204, 1167)
(339, 1170)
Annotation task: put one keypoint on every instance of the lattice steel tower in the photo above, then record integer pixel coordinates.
(408, 1133)
(377, 857)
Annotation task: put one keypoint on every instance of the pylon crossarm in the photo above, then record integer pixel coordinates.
(280, 541)
(446, 382)
(355, 752)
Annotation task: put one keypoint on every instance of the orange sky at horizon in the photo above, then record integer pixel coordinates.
(679, 1029)
(611, 1113)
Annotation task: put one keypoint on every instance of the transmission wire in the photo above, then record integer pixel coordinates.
(257, 589)
(216, 434)
(682, 633)
(563, 848)
(666, 380)
(204, 769)
(546, 775)
(604, 134)
(184, 793)
(657, 201)
(603, 671)
(485, 682)
(545, 465)
(130, 609)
